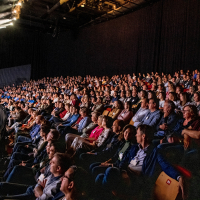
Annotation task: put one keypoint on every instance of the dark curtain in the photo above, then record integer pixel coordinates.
(162, 37)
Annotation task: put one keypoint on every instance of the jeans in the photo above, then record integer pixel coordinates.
(22, 175)
(15, 191)
(23, 139)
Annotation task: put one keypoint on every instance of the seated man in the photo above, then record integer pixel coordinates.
(74, 185)
(140, 162)
(78, 128)
(168, 120)
(45, 189)
(152, 118)
(139, 115)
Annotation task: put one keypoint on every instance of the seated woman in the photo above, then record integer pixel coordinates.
(97, 137)
(126, 114)
(96, 121)
(113, 114)
(184, 100)
(128, 133)
(161, 98)
(174, 136)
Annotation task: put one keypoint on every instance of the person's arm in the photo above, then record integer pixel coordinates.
(192, 133)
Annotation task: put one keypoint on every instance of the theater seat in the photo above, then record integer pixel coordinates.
(166, 188)
(105, 113)
(131, 122)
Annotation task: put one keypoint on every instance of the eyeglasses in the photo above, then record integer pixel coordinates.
(185, 111)
(67, 178)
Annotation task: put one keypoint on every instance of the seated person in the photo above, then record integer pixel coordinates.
(128, 133)
(142, 161)
(189, 116)
(62, 116)
(86, 131)
(107, 150)
(97, 137)
(30, 172)
(98, 105)
(44, 189)
(116, 110)
(74, 185)
(126, 114)
(192, 147)
(139, 115)
(73, 118)
(168, 120)
(34, 132)
(152, 118)
(78, 128)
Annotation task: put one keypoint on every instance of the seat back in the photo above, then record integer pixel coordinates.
(105, 113)
(166, 188)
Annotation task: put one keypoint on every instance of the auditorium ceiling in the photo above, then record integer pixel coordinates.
(52, 16)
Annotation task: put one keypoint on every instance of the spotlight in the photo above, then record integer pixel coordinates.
(14, 18)
(82, 5)
(19, 4)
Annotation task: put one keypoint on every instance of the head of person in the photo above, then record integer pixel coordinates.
(53, 134)
(128, 133)
(152, 104)
(196, 97)
(168, 107)
(55, 147)
(145, 134)
(59, 164)
(117, 126)
(39, 119)
(184, 98)
(83, 111)
(95, 116)
(144, 103)
(189, 112)
(117, 104)
(100, 119)
(44, 130)
(74, 183)
(162, 96)
(127, 105)
(105, 122)
(172, 96)
(128, 93)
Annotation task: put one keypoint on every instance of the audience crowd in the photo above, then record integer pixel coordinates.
(101, 137)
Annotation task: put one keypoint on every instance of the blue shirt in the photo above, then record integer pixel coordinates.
(72, 119)
(83, 123)
(35, 131)
(152, 118)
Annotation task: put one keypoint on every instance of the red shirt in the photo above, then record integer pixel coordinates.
(62, 114)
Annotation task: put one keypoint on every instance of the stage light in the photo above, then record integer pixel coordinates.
(82, 5)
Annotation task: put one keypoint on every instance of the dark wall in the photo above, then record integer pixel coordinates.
(162, 37)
